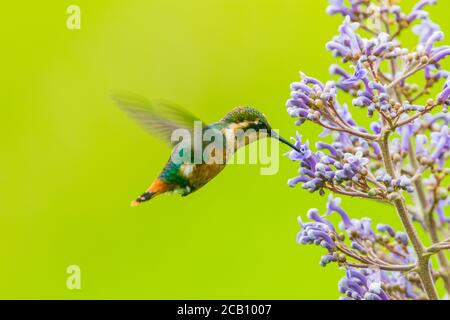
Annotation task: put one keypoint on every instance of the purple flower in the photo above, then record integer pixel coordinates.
(421, 141)
(333, 205)
(396, 10)
(338, 7)
(313, 214)
(441, 142)
(322, 145)
(438, 75)
(440, 211)
(327, 259)
(425, 29)
(402, 238)
(356, 161)
(339, 71)
(438, 54)
(406, 132)
(313, 185)
(316, 233)
(376, 127)
(418, 12)
(304, 153)
(348, 42)
(405, 183)
(445, 93)
(422, 3)
(360, 74)
(432, 119)
(435, 37)
(362, 285)
(312, 176)
(386, 228)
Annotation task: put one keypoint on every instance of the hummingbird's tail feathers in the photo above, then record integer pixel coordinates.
(158, 187)
(144, 197)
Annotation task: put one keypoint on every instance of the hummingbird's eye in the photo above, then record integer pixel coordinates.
(261, 125)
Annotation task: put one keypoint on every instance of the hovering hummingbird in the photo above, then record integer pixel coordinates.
(163, 118)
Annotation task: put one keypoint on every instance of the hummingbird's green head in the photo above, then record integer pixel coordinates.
(247, 118)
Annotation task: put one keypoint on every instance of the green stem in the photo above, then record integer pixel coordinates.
(429, 220)
(423, 266)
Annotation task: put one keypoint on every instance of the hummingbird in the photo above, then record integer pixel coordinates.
(162, 118)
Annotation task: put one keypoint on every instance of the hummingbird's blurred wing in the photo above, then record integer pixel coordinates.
(159, 118)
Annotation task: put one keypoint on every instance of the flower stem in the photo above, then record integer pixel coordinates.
(429, 220)
(423, 266)
(408, 73)
(438, 247)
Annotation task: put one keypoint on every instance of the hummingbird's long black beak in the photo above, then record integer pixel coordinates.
(283, 140)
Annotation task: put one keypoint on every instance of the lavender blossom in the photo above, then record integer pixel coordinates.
(379, 280)
(400, 160)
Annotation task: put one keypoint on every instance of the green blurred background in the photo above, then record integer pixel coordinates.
(71, 161)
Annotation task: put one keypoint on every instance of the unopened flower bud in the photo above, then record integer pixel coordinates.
(424, 60)
(424, 161)
(372, 192)
(442, 193)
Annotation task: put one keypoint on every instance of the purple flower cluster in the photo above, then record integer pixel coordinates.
(332, 168)
(358, 10)
(373, 259)
(400, 159)
(375, 284)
